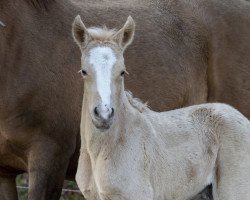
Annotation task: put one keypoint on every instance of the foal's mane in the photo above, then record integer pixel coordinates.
(136, 103)
(102, 33)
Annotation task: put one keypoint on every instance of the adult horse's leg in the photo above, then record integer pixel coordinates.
(8, 189)
(48, 162)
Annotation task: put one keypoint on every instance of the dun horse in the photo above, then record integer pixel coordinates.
(129, 152)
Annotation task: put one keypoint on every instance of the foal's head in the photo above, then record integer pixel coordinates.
(103, 68)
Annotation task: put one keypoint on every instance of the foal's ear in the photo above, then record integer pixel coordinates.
(80, 32)
(125, 35)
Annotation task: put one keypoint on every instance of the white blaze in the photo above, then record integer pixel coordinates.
(103, 59)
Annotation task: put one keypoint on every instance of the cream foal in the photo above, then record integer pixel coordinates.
(129, 152)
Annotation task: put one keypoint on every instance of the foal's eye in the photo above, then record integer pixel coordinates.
(122, 73)
(83, 72)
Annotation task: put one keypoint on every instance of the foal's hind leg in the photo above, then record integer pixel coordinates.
(8, 188)
(233, 167)
(232, 182)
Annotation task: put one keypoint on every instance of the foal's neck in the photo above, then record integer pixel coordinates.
(102, 143)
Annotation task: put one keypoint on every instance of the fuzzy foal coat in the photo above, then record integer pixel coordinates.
(150, 155)
(169, 155)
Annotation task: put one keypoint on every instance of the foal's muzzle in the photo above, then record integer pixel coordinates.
(103, 116)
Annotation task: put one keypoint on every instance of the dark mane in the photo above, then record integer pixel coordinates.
(40, 4)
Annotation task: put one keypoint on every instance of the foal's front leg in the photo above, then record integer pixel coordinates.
(84, 176)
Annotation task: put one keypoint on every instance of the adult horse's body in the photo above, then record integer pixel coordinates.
(129, 152)
(192, 52)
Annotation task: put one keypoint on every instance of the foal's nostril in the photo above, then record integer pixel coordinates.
(112, 112)
(96, 112)
(103, 113)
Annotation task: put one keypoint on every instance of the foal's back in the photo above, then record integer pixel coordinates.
(199, 145)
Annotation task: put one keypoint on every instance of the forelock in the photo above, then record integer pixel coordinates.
(101, 34)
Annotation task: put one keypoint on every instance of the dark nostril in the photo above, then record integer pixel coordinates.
(96, 112)
(112, 112)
